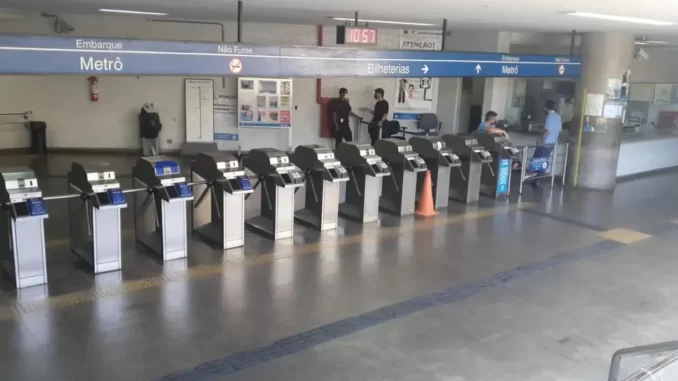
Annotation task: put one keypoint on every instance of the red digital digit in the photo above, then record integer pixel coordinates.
(373, 38)
(355, 35)
(365, 36)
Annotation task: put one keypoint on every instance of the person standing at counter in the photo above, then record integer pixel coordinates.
(379, 115)
(552, 128)
(341, 110)
(489, 126)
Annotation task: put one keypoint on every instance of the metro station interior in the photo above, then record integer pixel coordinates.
(185, 194)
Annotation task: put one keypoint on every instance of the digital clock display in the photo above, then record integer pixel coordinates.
(356, 35)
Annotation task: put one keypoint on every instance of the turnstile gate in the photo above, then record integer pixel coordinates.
(221, 219)
(160, 219)
(324, 174)
(95, 217)
(399, 196)
(22, 229)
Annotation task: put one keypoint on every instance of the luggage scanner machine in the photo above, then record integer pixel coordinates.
(497, 183)
(465, 185)
(399, 196)
(440, 160)
(22, 230)
(279, 179)
(168, 193)
(95, 217)
(324, 174)
(366, 170)
(222, 219)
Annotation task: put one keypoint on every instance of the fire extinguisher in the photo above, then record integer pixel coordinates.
(93, 88)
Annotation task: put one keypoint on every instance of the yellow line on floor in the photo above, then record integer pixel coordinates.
(203, 271)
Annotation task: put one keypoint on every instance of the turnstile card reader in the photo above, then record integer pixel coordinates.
(324, 174)
(22, 228)
(160, 219)
(465, 185)
(440, 160)
(279, 178)
(399, 196)
(365, 170)
(497, 183)
(95, 218)
(222, 219)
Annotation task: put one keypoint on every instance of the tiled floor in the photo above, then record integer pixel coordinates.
(546, 286)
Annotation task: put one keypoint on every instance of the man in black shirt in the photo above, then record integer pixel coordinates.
(379, 115)
(341, 110)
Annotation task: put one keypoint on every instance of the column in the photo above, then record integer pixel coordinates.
(604, 56)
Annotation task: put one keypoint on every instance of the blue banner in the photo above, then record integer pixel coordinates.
(65, 55)
(503, 176)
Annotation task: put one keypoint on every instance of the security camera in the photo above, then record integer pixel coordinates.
(60, 25)
(640, 54)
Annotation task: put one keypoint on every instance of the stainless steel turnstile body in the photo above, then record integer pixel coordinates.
(279, 178)
(22, 227)
(465, 185)
(221, 219)
(399, 196)
(440, 160)
(324, 174)
(497, 183)
(363, 190)
(160, 217)
(94, 218)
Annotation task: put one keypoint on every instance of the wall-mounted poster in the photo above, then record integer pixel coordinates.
(662, 93)
(225, 115)
(414, 96)
(264, 102)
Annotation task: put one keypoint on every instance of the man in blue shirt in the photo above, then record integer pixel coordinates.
(489, 125)
(552, 128)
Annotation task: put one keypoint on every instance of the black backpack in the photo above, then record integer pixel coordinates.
(149, 124)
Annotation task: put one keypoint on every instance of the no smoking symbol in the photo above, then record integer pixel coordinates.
(235, 65)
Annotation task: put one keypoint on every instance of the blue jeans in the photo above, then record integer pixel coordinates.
(542, 154)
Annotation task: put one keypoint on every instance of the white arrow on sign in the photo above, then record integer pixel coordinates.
(478, 69)
(425, 69)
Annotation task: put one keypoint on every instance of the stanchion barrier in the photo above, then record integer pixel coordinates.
(551, 164)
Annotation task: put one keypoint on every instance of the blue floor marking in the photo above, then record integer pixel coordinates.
(326, 333)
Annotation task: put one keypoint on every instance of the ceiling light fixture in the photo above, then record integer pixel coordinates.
(133, 12)
(633, 20)
(649, 42)
(383, 21)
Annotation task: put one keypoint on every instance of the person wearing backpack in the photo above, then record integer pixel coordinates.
(149, 130)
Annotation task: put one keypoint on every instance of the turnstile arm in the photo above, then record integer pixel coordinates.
(146, 204)
(307, 177)
(489, 165)
(395, 183)
(461, 173)
(355, 183)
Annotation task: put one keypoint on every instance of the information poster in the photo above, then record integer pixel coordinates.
(225, 115)
(199, 103)
(662, 93)
(415, 96)
(265, 102)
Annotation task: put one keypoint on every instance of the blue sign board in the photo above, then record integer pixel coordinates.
(503, 176)
(65, 55)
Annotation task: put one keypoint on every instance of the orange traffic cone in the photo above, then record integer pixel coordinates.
(425, 207)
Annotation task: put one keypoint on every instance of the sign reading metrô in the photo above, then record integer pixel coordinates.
(65, 55)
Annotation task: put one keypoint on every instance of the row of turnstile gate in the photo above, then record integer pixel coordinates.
(385, 177)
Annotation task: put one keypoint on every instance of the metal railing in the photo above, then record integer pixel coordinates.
(553, 163)
(25, 117)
